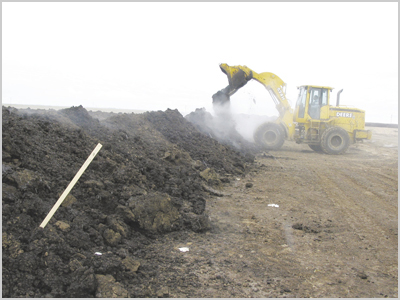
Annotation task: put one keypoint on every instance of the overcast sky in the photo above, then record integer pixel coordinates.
(154, 56)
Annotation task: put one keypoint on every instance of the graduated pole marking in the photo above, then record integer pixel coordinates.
(70, 186)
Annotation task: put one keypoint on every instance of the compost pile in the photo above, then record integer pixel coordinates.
(151, 177)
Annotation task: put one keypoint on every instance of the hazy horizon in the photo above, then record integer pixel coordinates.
(134, 56)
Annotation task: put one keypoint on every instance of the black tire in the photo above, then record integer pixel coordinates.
(335, 140)
(316, 148)
(270, 136)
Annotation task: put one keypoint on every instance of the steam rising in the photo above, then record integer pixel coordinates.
(226, 127)
(244, 113)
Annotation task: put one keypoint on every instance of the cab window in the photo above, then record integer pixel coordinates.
(314, 103)
(324, 97)
(301, 102)
(318, 98)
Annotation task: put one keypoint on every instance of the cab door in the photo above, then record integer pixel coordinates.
(318, 103)
(299, 115)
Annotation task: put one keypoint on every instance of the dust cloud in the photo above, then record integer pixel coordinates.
(227, 127)
(241, 111)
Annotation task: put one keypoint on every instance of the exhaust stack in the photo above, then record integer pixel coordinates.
(338, 97)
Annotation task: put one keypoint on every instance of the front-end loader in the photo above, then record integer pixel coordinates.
(314, 121)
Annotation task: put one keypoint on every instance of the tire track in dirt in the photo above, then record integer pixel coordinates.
(314, 274)
(252, 237)
(380, 198)
(369, 173)
(278, 244)
(365, 220)
(376, 258)
(334, 178)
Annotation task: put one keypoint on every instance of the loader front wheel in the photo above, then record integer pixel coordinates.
(335, 140)
(270, 136)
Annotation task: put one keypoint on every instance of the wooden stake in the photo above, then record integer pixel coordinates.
(71, 185)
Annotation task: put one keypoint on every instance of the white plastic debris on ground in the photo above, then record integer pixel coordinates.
(273, 205)
(184, 249)
(98, 253)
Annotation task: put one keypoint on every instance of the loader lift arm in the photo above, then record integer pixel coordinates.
(238, 76)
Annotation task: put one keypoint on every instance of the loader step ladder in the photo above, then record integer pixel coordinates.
(315, 127)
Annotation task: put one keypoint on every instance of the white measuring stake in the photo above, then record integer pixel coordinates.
(71, 185)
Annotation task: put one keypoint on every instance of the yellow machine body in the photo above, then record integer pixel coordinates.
(313, 121)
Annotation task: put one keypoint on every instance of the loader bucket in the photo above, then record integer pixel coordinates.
(237, 78)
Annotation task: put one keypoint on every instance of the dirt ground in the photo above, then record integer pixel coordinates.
(334, 234)
(289, 223)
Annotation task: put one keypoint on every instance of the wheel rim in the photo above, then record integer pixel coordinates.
(270, 137)
(336, 141)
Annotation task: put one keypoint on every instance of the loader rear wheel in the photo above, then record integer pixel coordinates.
(270, 136)
(316, 148)
(335, 140)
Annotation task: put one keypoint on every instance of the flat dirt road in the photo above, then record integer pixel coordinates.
(302, 224)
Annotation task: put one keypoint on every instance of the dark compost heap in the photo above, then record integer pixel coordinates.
(144, 182)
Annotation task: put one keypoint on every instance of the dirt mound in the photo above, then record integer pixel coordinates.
(144, 182)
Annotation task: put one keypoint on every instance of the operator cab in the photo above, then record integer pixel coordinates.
(310, 101)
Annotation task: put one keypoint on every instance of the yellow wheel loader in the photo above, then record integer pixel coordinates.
(314, 121)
